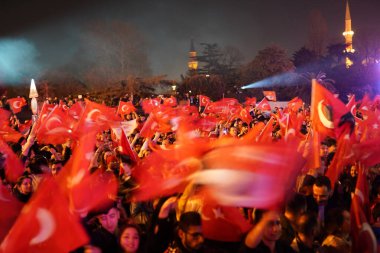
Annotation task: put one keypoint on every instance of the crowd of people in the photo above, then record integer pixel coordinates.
(315, 214)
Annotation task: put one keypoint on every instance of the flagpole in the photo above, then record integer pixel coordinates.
(312, 113)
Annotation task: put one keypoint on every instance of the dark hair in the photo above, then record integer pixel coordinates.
(376, 211)
(189, 219)
(22, 178)
(323, 181)
(296, 204)
(306, 223)
(130, 225)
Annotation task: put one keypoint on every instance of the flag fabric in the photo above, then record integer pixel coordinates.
(250, 101)
(270, 95)
(76, 110)
(12, 164)
(128, 127)
(150, 104)
(10, 210)
(267, 134)
(204, 100)
(172, 101)
(344, 155)
(363, 237)
(126, 148)
(149, 127)
(327, 112)
(8, 134)
(96, 117)
(16, 104)
(125, 108)
(248, 175)
(295, 104)
(223, 223)
(264, 105)
(40, 226)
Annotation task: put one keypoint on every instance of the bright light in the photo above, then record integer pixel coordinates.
(174, 87)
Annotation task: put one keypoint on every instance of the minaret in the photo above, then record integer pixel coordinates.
(348, 34)
(193, 63)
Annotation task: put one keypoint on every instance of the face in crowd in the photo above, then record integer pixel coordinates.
(272, 230)
(130, 240)
(25, 186)
(321, 194)
(192, 239)
(109, 221)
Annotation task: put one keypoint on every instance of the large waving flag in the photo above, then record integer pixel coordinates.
(40, 226)
(263, 105)
(327, 111)
(125, 108)
(204, 100)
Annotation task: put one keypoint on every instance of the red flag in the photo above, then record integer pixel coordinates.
(204, 100)
(327, 111)
(250, 101)
(363, 237)
(13, 166)
(126, 147)
(295, 104)
(344, 155)
(264, 105)
(245, 116)
(4, 116)
(310, 149)
(229, 101)
(40, 226)
(149, 127)
(223, 223)
(8, 134)
(267, 134)
(55, 128)
(248, 175)
(172, 101)
(150, 104)
(76, 110)
(351, 105)
(10, 209)
(16, 104)
(96, 117)
(125, 108)
(270, 95)
(45, 111)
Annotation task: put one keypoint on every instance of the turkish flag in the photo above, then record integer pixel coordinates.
(270, 95)
(12, 164)
(344, 155)
(172, 101)
(4, 116)
(245, 116)
(76, 110)
(149, 128)
(45, 111)
(207, 123)
(264, 105)
(204, 100)
(10, 209)
(295, 104)
(96, 117)
(223, 223)
(368, 152)
(126, 148)
(125, 108)
(327, 111)
(8, 134)
(250, 101)
(150, 104)
(229, 101)
(267, 134)
(16, 104)
(55, 128)
(46, 224)
(249, 175)
(363, 237)
(351, 105)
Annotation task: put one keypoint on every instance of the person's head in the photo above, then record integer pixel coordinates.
(353, 171)
(307, 224)
(130, 238)
(273, 228)
(190, 230)
(322, 190)
(24, 185)
(338, 222)
(307, 185)
(55, 167)
(295, 207)
(109, 219)
(233, 131)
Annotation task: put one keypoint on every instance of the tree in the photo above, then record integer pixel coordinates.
(114, 51)
(305, 60)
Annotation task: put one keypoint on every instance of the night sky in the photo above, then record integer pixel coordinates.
(51, 27)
